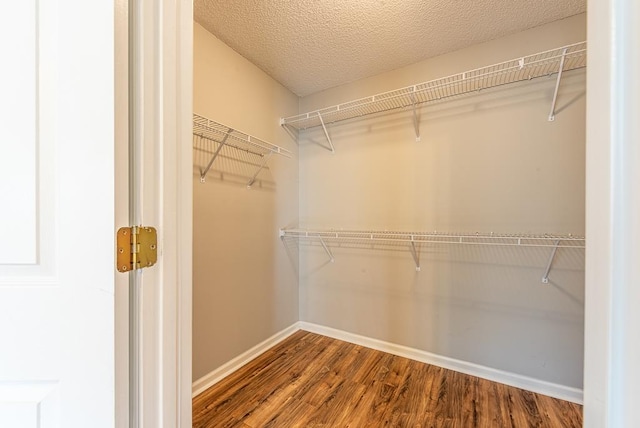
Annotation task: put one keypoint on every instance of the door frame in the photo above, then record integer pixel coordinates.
(158, 122)
(612, 275)
(605, 292)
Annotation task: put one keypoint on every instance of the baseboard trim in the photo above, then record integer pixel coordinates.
(210, 379)
(562, 392)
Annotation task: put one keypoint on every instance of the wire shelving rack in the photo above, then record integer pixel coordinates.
(413, 239)
(226, 136)
(547, 63)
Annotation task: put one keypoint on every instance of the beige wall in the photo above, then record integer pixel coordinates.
(245, 283)
(489, 162)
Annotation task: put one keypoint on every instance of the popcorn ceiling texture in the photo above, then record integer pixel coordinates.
(312, 45)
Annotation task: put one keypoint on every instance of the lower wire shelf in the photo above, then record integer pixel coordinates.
(413, 239)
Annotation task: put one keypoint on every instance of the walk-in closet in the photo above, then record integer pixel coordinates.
(434, 211)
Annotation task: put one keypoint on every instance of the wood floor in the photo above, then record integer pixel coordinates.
(310, 380)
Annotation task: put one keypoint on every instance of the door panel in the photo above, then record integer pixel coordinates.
(29, 404)
(56, 215)
(18, 132)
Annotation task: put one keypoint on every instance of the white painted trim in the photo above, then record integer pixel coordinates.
(184, 180)
(210, 379)
(612, 273)
(121, 187)
(161, 90)
(530, 384)
(562, 392)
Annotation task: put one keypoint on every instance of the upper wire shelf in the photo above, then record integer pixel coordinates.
(412, 239)
(226, 136)
(545, 63)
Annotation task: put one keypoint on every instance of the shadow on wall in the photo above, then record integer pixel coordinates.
(497, 98)
(231, 165)
(490, 275)
(483, 305)
(292, 248)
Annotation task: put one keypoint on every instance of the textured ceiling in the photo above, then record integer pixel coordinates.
(311, 45)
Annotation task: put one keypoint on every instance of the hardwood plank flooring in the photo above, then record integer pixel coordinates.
(309, 380)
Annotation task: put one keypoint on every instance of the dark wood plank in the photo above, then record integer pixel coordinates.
(309, 380)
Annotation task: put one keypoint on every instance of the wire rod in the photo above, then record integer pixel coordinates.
(203, 174)
(552, 114)
(545, 276)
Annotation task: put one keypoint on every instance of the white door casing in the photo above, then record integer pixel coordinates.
(57, 214)
(58, 345)
(161, 104)
(612, 275)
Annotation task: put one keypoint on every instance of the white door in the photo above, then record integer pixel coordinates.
(57, 214)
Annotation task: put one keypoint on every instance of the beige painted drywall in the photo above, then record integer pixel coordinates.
(489, 162)
(245, 285)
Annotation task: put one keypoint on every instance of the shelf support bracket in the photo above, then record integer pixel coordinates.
(265, 158)
(203, 174)
(326, 249)
(414, 253)
(416, 120)
(326, 133)
(289, 131)
(545, 277)
(552, 113)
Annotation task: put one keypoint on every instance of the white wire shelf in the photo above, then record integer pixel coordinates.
(546, 63)
(412, 239)
(226, 136)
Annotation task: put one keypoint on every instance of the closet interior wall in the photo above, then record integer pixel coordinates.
(486, 162)
(245, 286)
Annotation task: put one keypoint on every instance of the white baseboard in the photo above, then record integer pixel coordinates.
(226, 369)
(562, 392)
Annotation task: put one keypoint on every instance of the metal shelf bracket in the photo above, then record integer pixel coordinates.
(414, 253)
(203, 174)
(552, 113)
(326, 249)
(289, 130)
(545, 277)
(416, 120)
(265, 158)
(326, 133)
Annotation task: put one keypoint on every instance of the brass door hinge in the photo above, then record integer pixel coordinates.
(137, 248)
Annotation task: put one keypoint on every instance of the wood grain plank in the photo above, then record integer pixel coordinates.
(272, 391)
(309, 380)
(337, 405)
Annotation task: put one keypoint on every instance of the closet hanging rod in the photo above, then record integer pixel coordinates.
(541, 64)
